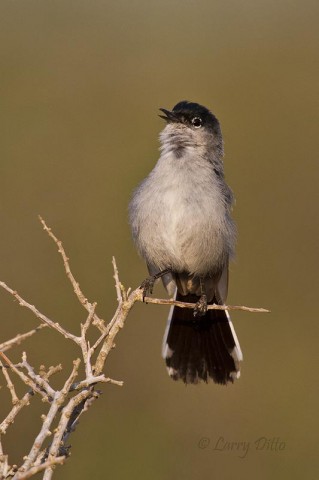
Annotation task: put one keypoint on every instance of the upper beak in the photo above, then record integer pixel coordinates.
(169, 116)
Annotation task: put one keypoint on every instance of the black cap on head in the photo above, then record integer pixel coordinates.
(192, 114)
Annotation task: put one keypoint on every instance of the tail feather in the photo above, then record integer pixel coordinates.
(201, 348)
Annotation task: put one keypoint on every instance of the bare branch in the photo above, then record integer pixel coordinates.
(24, 378)
(119, 383)
(85, 346)
(118, 285)
(52, 371)
(43, 318)
(84, 328)
(20, 338)
(83, 300)
(76, 286)
(62, 427)
(67, 386)
(4, 466)
(41, 437)
(10, 385)
(164, 301)
(114, 327)
(38, 379)
(25, 400)
(39, 468)
(57, 402)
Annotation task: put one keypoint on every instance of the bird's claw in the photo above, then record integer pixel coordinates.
(147, 286)
(201, 306)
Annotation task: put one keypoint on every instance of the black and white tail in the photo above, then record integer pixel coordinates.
(200, 348)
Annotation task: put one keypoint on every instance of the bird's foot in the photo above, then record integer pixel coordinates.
(147, 286)
(201, 306)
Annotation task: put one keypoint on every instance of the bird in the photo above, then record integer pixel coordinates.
(180, 217)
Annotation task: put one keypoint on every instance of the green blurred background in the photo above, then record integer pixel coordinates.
(81, 84)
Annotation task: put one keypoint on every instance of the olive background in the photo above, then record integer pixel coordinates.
(81, 84)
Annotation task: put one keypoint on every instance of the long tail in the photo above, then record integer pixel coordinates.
(201, 348)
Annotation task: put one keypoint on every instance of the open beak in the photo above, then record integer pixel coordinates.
(169, 116)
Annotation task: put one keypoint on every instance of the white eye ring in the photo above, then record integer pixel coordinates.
(197, 122)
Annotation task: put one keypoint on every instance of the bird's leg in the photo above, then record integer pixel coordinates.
(201, 306)
(148, 284)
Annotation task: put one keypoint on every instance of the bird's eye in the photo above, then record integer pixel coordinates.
(197, 122)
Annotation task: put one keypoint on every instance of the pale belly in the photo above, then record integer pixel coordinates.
(185, 235)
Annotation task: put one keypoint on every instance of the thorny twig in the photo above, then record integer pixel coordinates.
(74, 398)
(76, 286)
